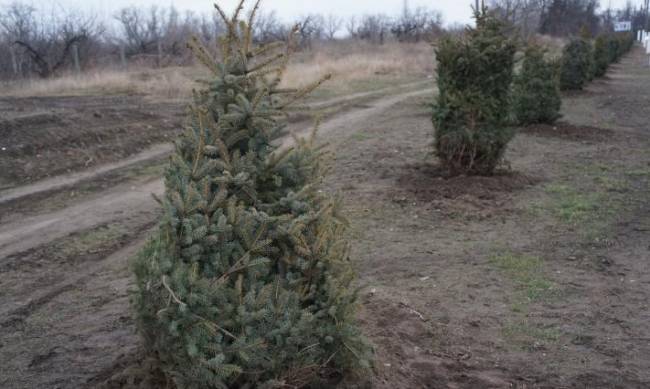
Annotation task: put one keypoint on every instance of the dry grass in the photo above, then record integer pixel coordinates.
(352, 63)
(554, 45)
(167, 83)
(356, 66)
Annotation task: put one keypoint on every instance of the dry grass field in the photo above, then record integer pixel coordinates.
(536, 277)
(357, 66)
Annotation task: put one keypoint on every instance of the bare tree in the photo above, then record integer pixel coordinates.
(374, 28)
(525, 15)
(44, 44)
(414, 26)
(567, 17)
(269, 28)
(351, 27)
(210, 28)
(310, 28)
(333, 24)
(140, 30)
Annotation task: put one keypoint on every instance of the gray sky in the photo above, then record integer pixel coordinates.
(453, 10)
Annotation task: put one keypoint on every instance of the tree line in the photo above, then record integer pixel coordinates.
(43, 44)
(566, 17)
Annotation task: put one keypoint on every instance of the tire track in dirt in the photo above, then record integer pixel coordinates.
(38, 230)
(65, 333)
(66, 180)
(71, 331)
(160, 150)
(11, 315)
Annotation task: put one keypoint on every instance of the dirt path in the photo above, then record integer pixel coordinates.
(66, 180)
(160, 150)
(56, 278)
(334, 129)
(35, 231)
(32, 232)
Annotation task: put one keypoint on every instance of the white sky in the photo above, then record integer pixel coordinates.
(454, 11)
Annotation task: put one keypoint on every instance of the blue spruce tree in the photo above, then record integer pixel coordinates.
(247, 282)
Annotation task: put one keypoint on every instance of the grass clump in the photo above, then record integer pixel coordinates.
(573, 206)
(527, 272)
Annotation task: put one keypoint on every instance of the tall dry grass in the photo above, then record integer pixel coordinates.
(352, 62)
(166, 83)
(355, 66)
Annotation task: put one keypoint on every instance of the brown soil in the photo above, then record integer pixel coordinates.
(570, 132)
(427, 185)
(443, 312)
(64, 265)
(535, 277)
(48, 136)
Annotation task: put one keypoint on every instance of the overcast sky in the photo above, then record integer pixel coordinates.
(454, 11)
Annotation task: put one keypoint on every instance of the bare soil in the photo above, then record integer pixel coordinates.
(535, 277)
(569, 131)
(47, 136)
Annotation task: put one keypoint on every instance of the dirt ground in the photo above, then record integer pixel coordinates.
(536, 277)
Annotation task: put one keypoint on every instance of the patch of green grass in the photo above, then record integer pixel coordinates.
(611, 184)
(89, 240)
(156, 169)
(571, 205)
(361, 136)
(531, 285)
(576, 208)
(526, 334)
(527, 272)
(641, 172)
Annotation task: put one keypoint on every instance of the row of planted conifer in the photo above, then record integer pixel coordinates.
(481, 98)
(584, 58)
(247, 282)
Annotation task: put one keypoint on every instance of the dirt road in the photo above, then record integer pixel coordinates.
(33, 248)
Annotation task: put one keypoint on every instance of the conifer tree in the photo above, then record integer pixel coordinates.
(471, 112)
(585, 35)
(536, 93)
(625, 42)
(247, 282)
(576, 64)
(614, 48)
(601, 55)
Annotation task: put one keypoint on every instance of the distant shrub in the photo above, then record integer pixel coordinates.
(536, 94)
(601, 55)
(614, 46)
(585, 34)
(471, 112)
(625, 42)
(618, 44)
(576, 64)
